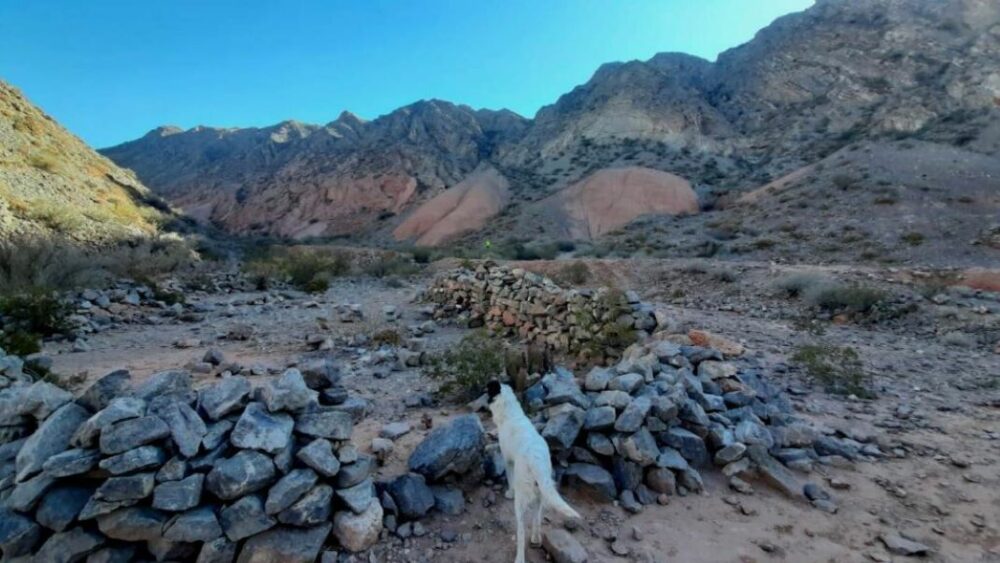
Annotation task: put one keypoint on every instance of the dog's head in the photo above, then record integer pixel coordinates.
(493, 389)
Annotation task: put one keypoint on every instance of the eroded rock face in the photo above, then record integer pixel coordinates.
(462, 208)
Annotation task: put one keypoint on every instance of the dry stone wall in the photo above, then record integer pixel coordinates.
(533, 308)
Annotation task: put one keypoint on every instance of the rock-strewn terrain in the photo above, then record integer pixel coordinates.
(808, 85)
(53, 183)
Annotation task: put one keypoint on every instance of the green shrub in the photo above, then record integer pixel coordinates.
(421, 255)
(307, 269)
(466, 368)
(838, 369)
(30, 316)
(20, 343)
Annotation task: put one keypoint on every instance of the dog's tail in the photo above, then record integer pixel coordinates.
(551, 497)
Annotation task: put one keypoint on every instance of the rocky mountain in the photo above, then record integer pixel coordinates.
(809, 85)
(51, 182)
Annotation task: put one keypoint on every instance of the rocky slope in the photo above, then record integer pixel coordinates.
(53, 183)
(808, 85)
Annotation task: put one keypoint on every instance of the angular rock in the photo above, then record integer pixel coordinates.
(18, 534)
(60, 506)
(628, 382)
(688, 444)
(661, 480)
(563, 547)
(412, 496)
(358, 532)
(617, 399)
(196, 525)
(71, 462)
(245, 518)
(319, 456)
(320, 374)
(671, 459)
(634, 415)
(288, 393)
(130, 487)
(448, 500)
(325, 422)
(357, 497)
(754, 434)
(41, 399)
(219, 550)
(121, 408)
(173, 470)
(100, 394)
(27, 493)
(563, 426)
(95, 508)
(243, 473)
(177, 496)
(593, 479)
(143, 457)
(224, 397)
(117, 554)
(729, 454)
(69, 546)
(311, 509)
(626, 474)
(455, 448)
(186, 428)
(164, 383)
(691, 480)
(394, 430)
(898, 545)
(285, 545)
(259, 429)
(600, 444)
(597, 379)
(599, 418)
(353, 473)
(131, 433)
(136, 523)
(289, 489)
(51, 437)
(641, 448)
(774, 472)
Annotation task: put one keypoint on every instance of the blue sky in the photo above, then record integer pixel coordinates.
(110, 70)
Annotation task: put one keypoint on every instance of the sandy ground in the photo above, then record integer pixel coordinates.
(937, 415)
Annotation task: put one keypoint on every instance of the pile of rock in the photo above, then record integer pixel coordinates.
(515, 302)
(160, 470)
(646, 426)
(11, 370)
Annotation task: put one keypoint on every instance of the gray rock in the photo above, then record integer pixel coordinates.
(455, 448)
(671, 459)
(563, 547)
(626, 474)
(563, 388)
(224, 397)
(358, 497)
(599, 418)
(634, 415)
(592, 479)
(216, 434)
(320, 374)
(116, 554)
(774, 472)
(186, 428)
(641, 448)
(629, 382)
(121, 408)
(898, 545)
(95, 508)
(214, 356)
(692, 413)
(100, 394)
(41, 399)
(71, 462)
(60, 506)
(173, 470)
(259, 429)
(357, 407)
(27, 493)
(351, 474)
(51, 438)
(448, 500)
(196, 525)
(289, 489)
(219, 550)
(325, 422)
(597, 379)
(412, 496)
(129, 487)
(600, 444)
(285, 545)
(754, 434)
(691, 447)
(691, 480)
(661, 480)
(207, 460)
(177, 496)
(394, 430)
(143, 457)
(319, 456)
(69, 546)
(135, 523)
(358, 532)
(243, 473)
(563, 426)
(628, 502)
(245, 518)
(617, 399)
(18, 534)
(131, 433)
(164, 383)
(729, 454)
(288, 393)
(311, 509)
(664, 408)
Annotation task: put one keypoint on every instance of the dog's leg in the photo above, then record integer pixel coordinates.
(519, 515)
(510, 479)
(536, 520)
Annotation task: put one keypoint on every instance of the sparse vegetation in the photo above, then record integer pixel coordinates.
(307, 269)
(576, 273)
(465, 369)
(843, 298)
(29, 316)
(913, 238)
(838, 369)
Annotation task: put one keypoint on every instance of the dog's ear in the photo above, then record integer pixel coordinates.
(493, 389)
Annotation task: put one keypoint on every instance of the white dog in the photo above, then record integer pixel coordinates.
(529, 467)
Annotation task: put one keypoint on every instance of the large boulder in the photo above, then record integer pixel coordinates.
(455, 447)
(51, 438)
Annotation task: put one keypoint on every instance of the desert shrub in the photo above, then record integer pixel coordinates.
(29, 316)
(147, 258)
(843, 298)
(387, 337)
(912, 238)
(60, 218)
(41, 263)
(307, 269)
(565, 246)
(466, 368)
(576, 273)
(724, 275)
(795, 285)
(843, 182)
(421, 255)
(386, 266)
(838, 369)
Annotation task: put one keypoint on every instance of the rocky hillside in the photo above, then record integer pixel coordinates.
(51, 182)
(809, 85)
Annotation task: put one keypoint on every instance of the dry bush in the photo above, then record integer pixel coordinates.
(576, 273)
(307, 269)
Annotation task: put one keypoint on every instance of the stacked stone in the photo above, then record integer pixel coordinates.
(515, 302)
(162, 471)
(647, 426)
